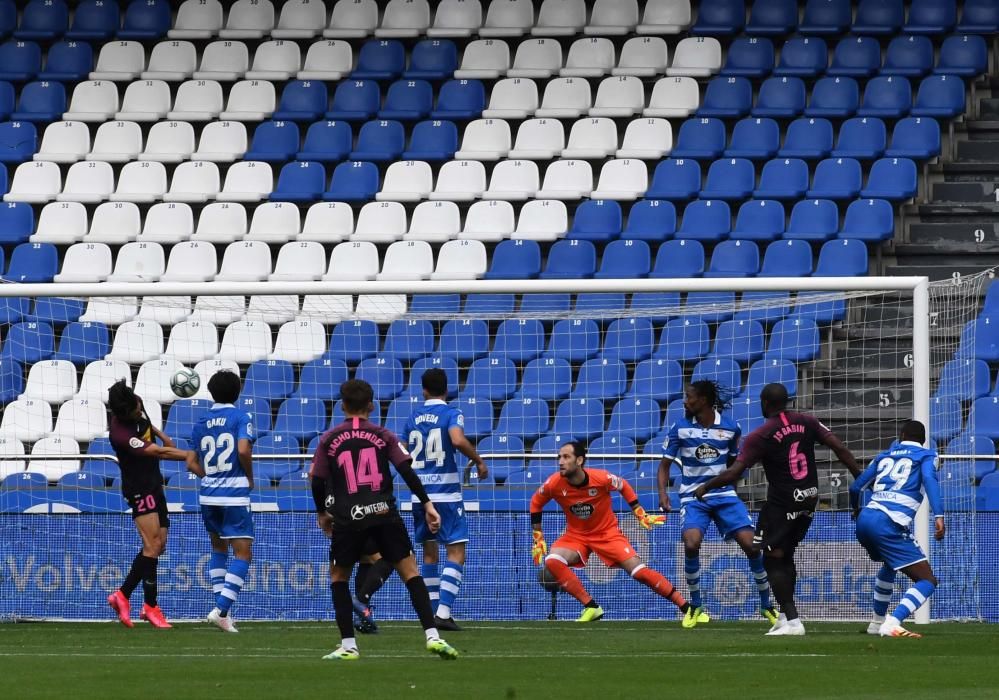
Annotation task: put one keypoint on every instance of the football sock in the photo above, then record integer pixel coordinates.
(216, 570)
(420, 598)
(450, 585)
(234, 579)
(378, 574)
(359, 577)
(659, 583)
(782, 582)
(133, 577)
(913, 599)
(884, 584)
(149, 588)
(692, 569)
(567, 580)
(344, 610)
(431, 574)
(348, 644)
(762, 583)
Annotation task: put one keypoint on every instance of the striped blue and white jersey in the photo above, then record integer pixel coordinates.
(898, 477)
(702, 453)
(215, 438)
(427, 432)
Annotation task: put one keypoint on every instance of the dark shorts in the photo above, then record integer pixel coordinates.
(150, 502)
(389, 538)
(779, 528)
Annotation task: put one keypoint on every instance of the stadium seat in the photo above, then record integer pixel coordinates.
(679, 259)
(300, 19)
(352, 19)
(85, 262)
(749, 57)
(20, 61)
(836, 179)
(646, 139)
(146, 20)
(383, 374)
(407, 100)
(353, 182)
(908, 56)
(705, 220)
(460, 181)
(845, 258)
(804, 57)
(795, 339)
(825, 17)
(94, 20)
(759, 220)
(651, 220)
(634, 418)
(917, 138)
(382, 222)
(223, 60)
(676, 179)
(863, 138)
(755, 139)
(536, 58)
(513, 18)
(32, 262)
(17, 221)
(772, 18)
(325, 142)
(869, 220)
(19, 141)
(931, 17)
(538, 139)
(734, 259)
(792, 258)
(248, 19)
(197, 101)
(767, 371)
(525, 418)
(435, 140)
(979, 17)
(720, 18)
(570, 259)
(440, 222)
(564, 98)
(300, 182)
(7, 101)
(964, 379)
(82, 343)
(600, 379)
(40, 102)
(939, 96)
(813, 220)
(621, 96)
(302, 101)
(519, 340)
(596, 220)
(463, 340)
(327, 60)
(11, 380)
(695, 57)
(729, 179)
(701, 139)
(886, 96)
(856, 57)
(879, 17)
(673, 97)
(894, 179)
(566, 180)
(589, 58)
(547, 379)
(727, 98)
(43, 20)
(143, 101)
(275, 60)
(833, 96)
(407, 181)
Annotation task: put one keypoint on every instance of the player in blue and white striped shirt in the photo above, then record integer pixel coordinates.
(222, 439)
(704, 443)
(435, 433)
(898, 478)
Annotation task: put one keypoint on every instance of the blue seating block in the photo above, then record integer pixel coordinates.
(789, 258)
(94, 20)
(380, 59)
(146, 20)
(809, 138)
(805, 57)
(781, 97)
(353, 181)
(759, 220)
(432, 140)
(879, 17)
(274, 142)
(43, 20)
(326, 141)
(826, 17)
(355, 100)
(460, 99)
(407, 100)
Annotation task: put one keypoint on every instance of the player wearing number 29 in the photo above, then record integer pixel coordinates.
(223, 441)
(898, 477)
(436, 432)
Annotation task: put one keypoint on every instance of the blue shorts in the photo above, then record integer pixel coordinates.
(887, 541)
(454, 526)
(228, 522)
(728, 514)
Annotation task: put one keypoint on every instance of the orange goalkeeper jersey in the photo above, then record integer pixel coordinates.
(588, 508)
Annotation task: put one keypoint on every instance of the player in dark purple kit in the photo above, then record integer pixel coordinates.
(352, 490)
(785, 444)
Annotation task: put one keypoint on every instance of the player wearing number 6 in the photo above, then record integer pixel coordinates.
(223, 440)
(436, 432)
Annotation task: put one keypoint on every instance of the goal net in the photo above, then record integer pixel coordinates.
(598, 360)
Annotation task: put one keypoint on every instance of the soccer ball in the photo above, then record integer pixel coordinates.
(185, 383)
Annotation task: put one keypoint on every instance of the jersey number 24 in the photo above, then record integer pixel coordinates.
(434, 448)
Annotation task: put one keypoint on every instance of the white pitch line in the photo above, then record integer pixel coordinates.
(556, 655)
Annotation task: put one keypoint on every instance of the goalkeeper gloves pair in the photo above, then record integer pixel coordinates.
(647, 520)
(540, 548)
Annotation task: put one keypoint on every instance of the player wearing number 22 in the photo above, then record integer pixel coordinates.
(223, 439)
(898, 477)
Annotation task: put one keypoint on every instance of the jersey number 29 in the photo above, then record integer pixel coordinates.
(434, 448)
(892, 474)
(218, 453)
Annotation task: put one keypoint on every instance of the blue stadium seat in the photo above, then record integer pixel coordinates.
(772, 17)
(626, 259)
(68, 61)
(464, 340)
(795, 339)
(746, 413)
(826, 17)
(894, 179)
(955, 382)
(836, 179)
(931, 17)
(546, 378)
(520, 340)
(326, 141)
(492, 377)
(809, 138)
(656, 305)
(879, 17)
(729, 179)
(741, 341)
(968, 444)
(720, 18)
(869, 220)
(601, 378)
(727, 97)
(33, 262)
(833, 97)
(684, 340)
(102, 467)
(269, 379)
(146, 20)
(14, 309)
(781, 97)
(43, 20)
(515, 260)
(939, 96)
(570, 259)
(702, 139)
(908, 56)
(679, 259)
(75, 481)
(432, 59)
(17, 219)
(734, 259)
(355, 101)
(749, 57)
(379, 141)
(651, 219)
(40, 102)
(856, 56)
(753, 138)
(432, 140)
(8, 17)
(844, 258)
(596, 220)
(399, 411)
(182, 416)
(94, 20)
(28, 342)
(353, 341)
(804, 57)
(864, 138)
(353, 181)
(274, 142)
(268, 470)
(407, 100)
(301, 418)
(417, 369)
(11, 380)
(979, 17)
(765, 307)
(759, 220)
(337, 416)
(813, 220)
(789, 258)
(408, 340)
(20, 60)
(658, 379)
(721, 370)
(524, 418)
(302, 101)
(380, 59)
(489, 305)
(13, 141)
(578, 419)
(613, 444)
(706, 220)
(782, 179)
(58, 310)
(980, 339)
(460, 99)
(887, 96)
(915, 137)
(259, 410)
(629, 340)
(770, 371)
(83, 342)
(821, 310)
(300, 181)
(981, 420)
(635, 418)
(501, 467)
(676, 179)
(574, 340)
(321, 378)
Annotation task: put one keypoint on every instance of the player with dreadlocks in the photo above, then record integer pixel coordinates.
(703, 444)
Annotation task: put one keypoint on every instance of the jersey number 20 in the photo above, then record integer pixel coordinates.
(218, 453)
(434, 448)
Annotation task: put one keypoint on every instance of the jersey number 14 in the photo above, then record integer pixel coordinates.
(434, 448)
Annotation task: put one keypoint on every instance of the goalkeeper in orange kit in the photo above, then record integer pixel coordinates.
(591, 526)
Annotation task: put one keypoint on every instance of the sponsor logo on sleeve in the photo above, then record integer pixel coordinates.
(461, 420)
(136, 443)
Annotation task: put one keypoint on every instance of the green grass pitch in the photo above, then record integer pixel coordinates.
(549, 660)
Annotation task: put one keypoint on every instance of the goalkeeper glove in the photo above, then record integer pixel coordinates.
(540, 548)
(648, 521)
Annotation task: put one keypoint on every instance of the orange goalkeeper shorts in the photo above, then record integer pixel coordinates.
(612, 547)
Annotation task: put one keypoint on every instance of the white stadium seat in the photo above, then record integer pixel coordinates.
(275, 222)
(509, 18)
(250, 101)
(567, 180)
(333, 308)
(353, 261)
(460, 181)
(560, 18)
(55, 469)
(138, 262)
(404, 18)
(624, 180)
(665, 17)
(380, 308)
(246, 342)
(513, 180)
(612, 18)
(456, 18)
(674, 98)
(272, 309)
(245, 261)
(407, 260)
(165, 310)
(485, 139)
(406, 181)
(461, 260)
(98, 376)
(542, 220)
(116, 142)
(145, 101)
(64, 142)
(434, 221)
(172, 61)
(619, 96)
(152, 381)
(36, 182)
(10, 447)
(81, 420)
(136, 342)
(275, 60)
(221, 142)
(536, 58)
(352, 19)
(218, 310)
(300, 19)
(565, 98)
(484, 59)
(696, 57)
(592, 57)
(512, 98)
(328, 222)
(380, 222)
(93, 101)
(191, 261)
(247, 181)
(538, 139)
(647, 138)
(52, 381)
(221, 222)
(119, 61)
(300, 340)
(111, 311)
(85, 262)
(61, 222)
(643, 57)
(27, 420)
(327, 60)
(197, 101)
(197, 19)
(167, 222)
(192, 341)
(140, 181)
(194, 181)
(593, 138)
(114, 223)
(299, 261)
(169, 142)
(89, 181)
(249, 19)
(206, 369)
(489, 221)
